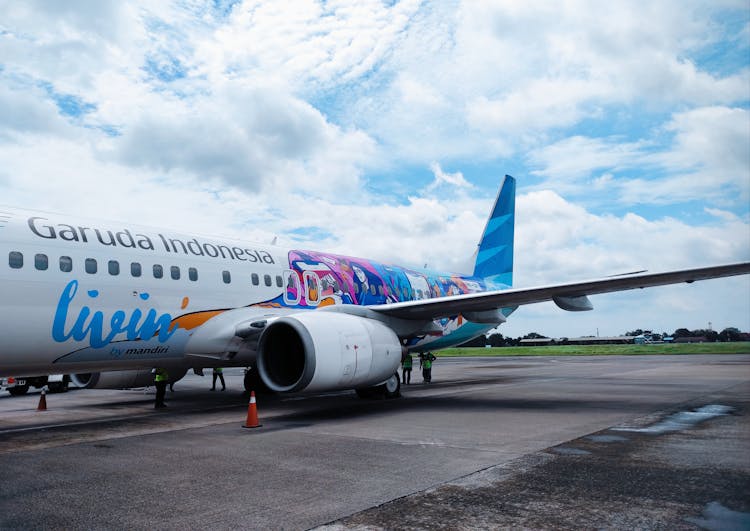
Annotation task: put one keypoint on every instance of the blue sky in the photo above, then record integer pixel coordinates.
(383, 129)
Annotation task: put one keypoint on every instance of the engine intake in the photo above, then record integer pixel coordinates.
(312, 351)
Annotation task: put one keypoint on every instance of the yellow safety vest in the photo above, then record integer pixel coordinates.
(161, 375)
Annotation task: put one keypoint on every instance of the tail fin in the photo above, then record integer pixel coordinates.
(494, 261)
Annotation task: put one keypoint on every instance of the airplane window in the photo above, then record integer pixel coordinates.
(135, 269)
(356, 289)
(226, 276)
(267, 280)
(90, 266)
(279, 281)
(158, 271)
(372, 289)
(175, 272)
(193, 274)
(380, 291)
(41, 262)
(256, 279)
(66, 264)
(15, 259)
(114, 267)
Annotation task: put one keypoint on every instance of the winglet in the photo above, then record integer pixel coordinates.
(494, 261)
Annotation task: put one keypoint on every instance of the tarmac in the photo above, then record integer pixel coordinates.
(617, 442)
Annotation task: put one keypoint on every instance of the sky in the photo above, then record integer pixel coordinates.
(383, 130)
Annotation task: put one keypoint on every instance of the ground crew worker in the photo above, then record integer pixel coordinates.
(161, 377)
(406, 368)
(219, 372)
(427, 359)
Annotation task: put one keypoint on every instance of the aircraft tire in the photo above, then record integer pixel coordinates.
(253, 382)
(392, 388)
(58, 387)
(388, 390)
(19, 390)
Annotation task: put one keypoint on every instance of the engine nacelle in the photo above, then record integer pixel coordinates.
(120, 379)
(323, 351)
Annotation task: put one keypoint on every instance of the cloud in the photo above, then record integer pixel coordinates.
(330, 125)
(453, 180)
(707, 155)
(26, 110)
(251, 138)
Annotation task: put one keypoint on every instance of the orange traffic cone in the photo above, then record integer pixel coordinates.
(42, 402)
(252, 413)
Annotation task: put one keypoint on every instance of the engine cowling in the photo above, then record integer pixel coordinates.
(320, 351)
(120, 379)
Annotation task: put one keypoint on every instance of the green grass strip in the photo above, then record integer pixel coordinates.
(603, 350)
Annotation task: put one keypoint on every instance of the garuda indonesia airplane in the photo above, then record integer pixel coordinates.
(107, 302)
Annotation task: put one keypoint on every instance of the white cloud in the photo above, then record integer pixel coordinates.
(708, 157)
(252, 138)
(275, 118)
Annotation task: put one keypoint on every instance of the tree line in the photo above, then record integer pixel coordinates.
(728, 334)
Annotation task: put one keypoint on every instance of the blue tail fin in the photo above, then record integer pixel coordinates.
(494, 260)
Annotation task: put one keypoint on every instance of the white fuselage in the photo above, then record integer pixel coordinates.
(81, 295)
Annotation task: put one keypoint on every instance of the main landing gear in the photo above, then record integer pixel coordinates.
(391, 388)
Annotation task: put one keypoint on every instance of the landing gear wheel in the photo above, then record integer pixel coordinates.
(253, 382)
(19, 390)
(58, 387)
(390, 389)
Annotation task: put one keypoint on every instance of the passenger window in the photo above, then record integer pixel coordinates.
(193, 274)
(90, 266)
(135, 269)
(372, 289)
(15, 259)
(158, 271)
(279, 281)
(41, 262)
(226, 277)
(267, 280)
(66, 264)
(175, 272)
(256, 279)
(380, 291)
(356, 289)
(114, 267)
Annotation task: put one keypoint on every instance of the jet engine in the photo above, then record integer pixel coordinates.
(322, 351)
(120, 379)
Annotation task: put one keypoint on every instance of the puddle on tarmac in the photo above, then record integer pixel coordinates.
(716, 516)
(606, 438)
(682, 420)
(566, 450)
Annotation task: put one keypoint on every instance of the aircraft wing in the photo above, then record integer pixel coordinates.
(570, 296)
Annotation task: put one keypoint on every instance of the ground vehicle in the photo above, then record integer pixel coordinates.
(16, 386)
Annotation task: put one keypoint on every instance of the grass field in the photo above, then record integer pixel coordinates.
(602, 350)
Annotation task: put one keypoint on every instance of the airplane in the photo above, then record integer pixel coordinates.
(107, 302)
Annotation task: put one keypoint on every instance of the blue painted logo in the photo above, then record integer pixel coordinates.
(92, 325)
